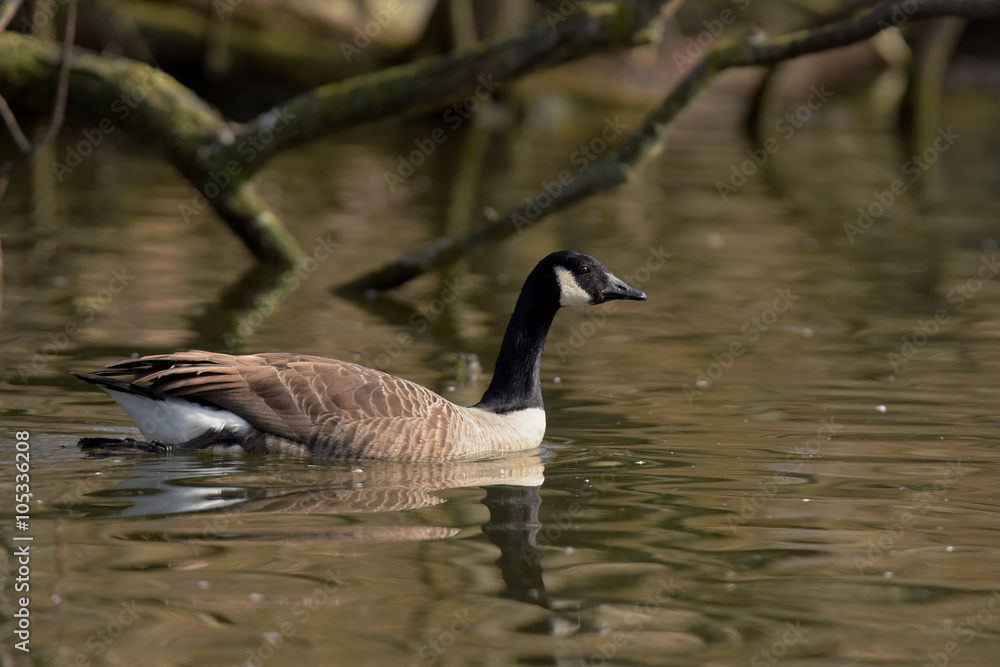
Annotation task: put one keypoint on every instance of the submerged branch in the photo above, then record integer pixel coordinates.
(752, 50)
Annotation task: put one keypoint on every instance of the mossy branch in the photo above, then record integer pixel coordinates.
(105, 93)
(437, 81)
(219, 156)
(753, 49)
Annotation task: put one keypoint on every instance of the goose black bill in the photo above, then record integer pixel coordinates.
(618, 290)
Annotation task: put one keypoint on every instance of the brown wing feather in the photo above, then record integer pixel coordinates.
(299, 397)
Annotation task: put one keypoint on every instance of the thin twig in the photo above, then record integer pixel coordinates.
(7, 12)
(15, 129)
(62, 92)
(59, 106)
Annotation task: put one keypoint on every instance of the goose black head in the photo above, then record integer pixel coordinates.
(581, 280)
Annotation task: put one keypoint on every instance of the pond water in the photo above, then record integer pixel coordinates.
(787, 454)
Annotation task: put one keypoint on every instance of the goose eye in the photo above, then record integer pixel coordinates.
(583, 269)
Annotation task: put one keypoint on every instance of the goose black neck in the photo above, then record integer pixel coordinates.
(516, 384)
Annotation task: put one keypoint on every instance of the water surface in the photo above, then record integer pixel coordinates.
(736, 471)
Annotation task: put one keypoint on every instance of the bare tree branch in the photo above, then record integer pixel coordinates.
(752, 50)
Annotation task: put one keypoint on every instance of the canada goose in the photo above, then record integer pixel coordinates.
(305, 405)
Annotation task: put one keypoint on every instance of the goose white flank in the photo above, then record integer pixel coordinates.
(312, 406)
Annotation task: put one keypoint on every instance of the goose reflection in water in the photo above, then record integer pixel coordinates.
(227, 490)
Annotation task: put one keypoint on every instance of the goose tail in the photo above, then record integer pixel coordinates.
(168, 419)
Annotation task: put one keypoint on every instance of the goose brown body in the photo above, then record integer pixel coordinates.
(315, 406)
(307, 405)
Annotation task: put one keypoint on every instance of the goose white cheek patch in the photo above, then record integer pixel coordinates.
(570, 292)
